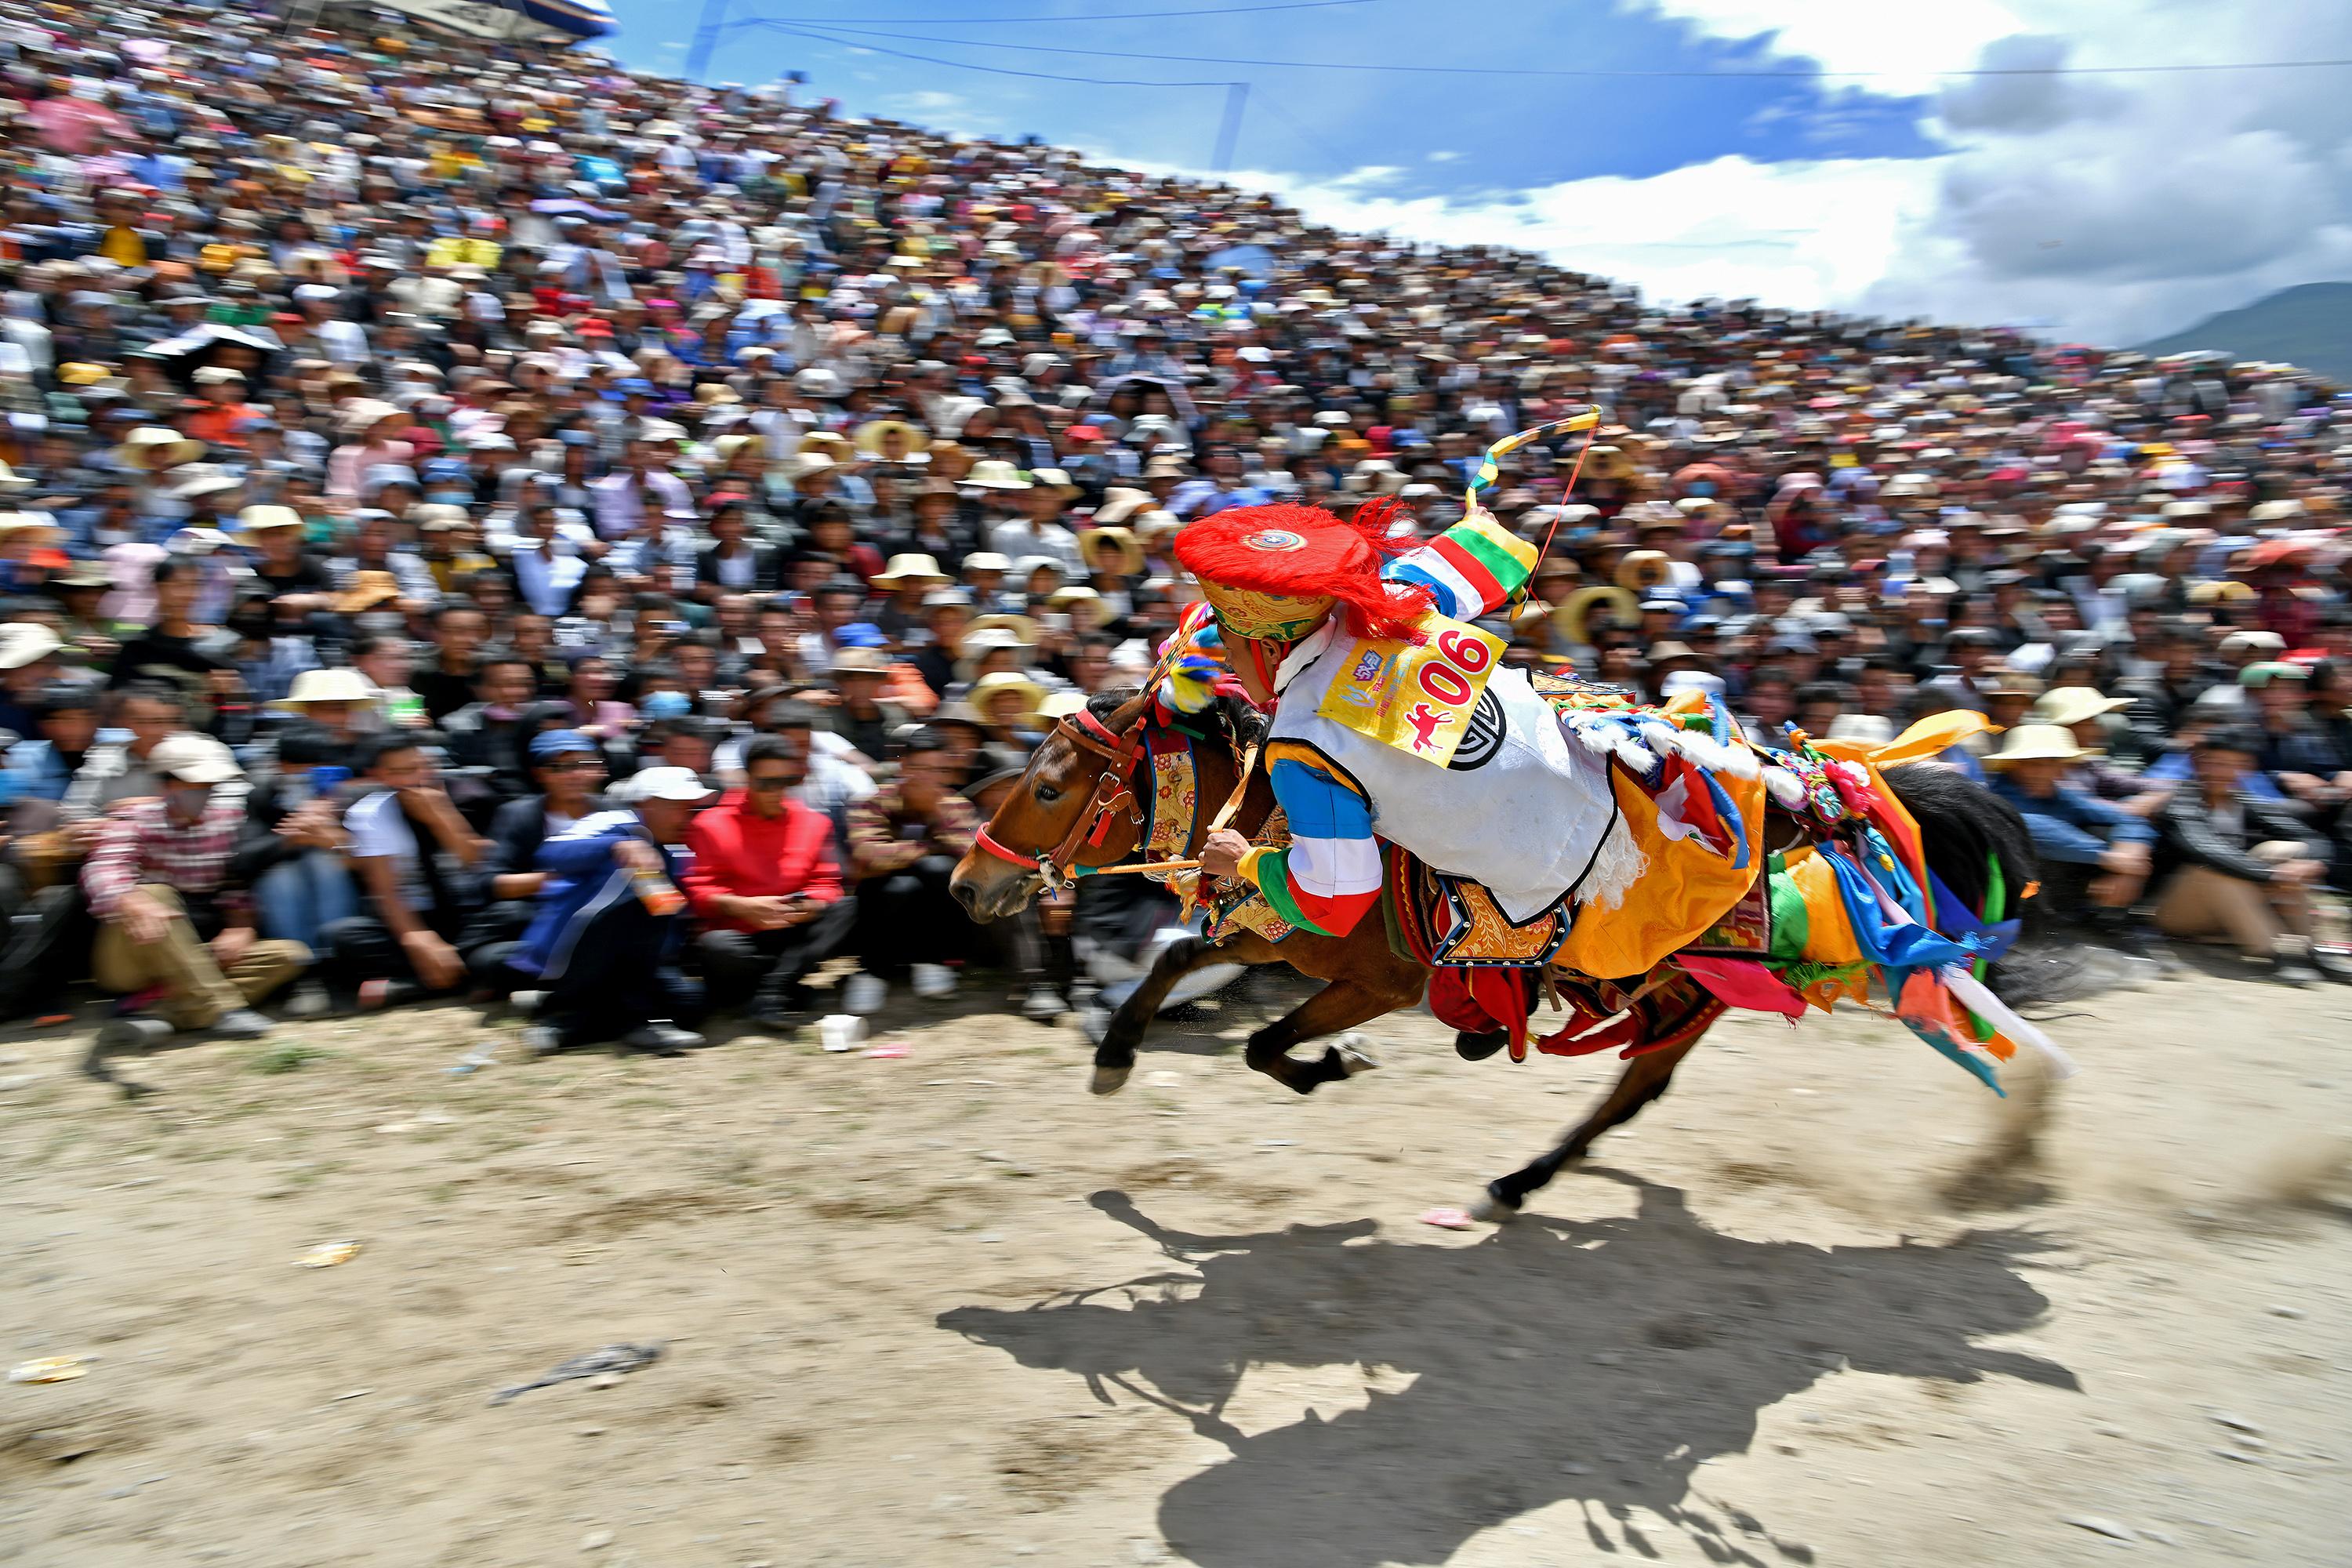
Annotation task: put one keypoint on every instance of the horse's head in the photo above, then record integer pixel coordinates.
(1072, 807)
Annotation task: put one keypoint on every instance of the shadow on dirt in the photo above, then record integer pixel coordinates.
(1600, 1361)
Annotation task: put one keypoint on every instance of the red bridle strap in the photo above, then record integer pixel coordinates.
(1085, 732)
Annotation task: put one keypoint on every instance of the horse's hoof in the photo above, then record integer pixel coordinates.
(1353, 1058)
(1108, 1080)
(1487, 1209)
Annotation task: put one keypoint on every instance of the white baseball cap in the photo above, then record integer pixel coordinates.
(192, 759)
(668, 783)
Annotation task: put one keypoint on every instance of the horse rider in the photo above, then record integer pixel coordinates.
(1393, 715)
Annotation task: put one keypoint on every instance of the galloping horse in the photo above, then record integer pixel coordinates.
(1079, 807)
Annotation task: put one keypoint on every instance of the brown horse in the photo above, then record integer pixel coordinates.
(1078, 806)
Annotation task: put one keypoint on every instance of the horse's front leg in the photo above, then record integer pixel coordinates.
(1342, 1004)
(1115, 1052)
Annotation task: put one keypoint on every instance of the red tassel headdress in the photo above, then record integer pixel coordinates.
(1273, 572)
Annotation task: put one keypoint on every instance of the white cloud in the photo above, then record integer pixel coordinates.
(1902, 46)
(2111, 208)
(1800, 235)
(932, 101)
(1442, 156)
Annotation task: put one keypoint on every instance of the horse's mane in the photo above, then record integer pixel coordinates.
(1236, 720)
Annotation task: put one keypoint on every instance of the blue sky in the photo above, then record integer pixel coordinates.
(1508, 133)
(2108, 206)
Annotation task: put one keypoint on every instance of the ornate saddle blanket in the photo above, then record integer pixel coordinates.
(1440, 919)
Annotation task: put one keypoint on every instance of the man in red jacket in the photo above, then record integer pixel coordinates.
(766, 886)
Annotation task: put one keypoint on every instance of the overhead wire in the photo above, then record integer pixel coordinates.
(1081, 17)
(856, 34)
(796, 30)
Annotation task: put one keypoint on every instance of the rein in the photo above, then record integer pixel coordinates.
(1089, 736)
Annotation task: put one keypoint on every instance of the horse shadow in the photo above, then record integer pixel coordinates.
(1598, 1360)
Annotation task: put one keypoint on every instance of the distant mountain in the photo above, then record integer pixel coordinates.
(2309, 325)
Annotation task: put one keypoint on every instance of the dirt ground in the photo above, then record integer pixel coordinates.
(943, 1308)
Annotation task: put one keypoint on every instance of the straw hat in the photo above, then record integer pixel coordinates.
(1571, 617)
(367, 590)
(1093, 541)
(264, 519)
(2072, 705)
(2035, 743)
(871, 434)
(986, 688)
(155, 447)
(832, 443)
(2004, 681)
(1642, 570)
(1120, 504)
(996, 473)
(910, 568)
(361, 415)
(326, 685)
(1024, 629)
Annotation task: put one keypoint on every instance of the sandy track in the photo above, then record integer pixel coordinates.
(947, 1309)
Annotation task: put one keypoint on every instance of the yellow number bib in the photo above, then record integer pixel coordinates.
(1416, 696)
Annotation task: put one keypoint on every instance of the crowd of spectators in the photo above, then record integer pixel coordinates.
(483, 520)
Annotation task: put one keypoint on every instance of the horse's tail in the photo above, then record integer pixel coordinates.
(1965, 829)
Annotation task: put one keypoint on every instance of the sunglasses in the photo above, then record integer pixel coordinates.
(768, 783)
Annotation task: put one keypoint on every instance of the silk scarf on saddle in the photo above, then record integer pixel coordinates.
(1859, 905)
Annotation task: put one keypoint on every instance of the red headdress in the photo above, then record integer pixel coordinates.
(1272, 571)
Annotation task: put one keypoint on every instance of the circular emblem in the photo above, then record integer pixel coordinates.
(1482, 737)
(1277, 539)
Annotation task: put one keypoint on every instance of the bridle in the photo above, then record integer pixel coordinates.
(1089, 736)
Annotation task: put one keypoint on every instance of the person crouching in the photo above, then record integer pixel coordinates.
(603, 948)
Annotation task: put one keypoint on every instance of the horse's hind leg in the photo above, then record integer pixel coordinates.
(1342, 1004)
(1645, 1080)
(1115, 1052)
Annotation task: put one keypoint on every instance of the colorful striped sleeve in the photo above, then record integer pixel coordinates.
(1329, 874)
(1472, 568)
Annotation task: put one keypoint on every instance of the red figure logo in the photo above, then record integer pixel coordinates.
(1424, 721)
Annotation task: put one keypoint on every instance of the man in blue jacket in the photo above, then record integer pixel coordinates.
(604, 943)
(2089, 848)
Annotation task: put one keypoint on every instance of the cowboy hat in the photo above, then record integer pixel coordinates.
(364, 414)
(870, 435)
(1023, 628)
(1092, 541)
(151, 447)
(2036, 743)
(12, 480)
(832, 443)
(262, 519)
(988, 686)
(1642, 570)
(2072, 705)
(327, 686)
(1572, 615)
(996, 473)
(366, 591)
(913, 567)
(860, 661)
(1118, 504)
(195, 481)
(2007, 683)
